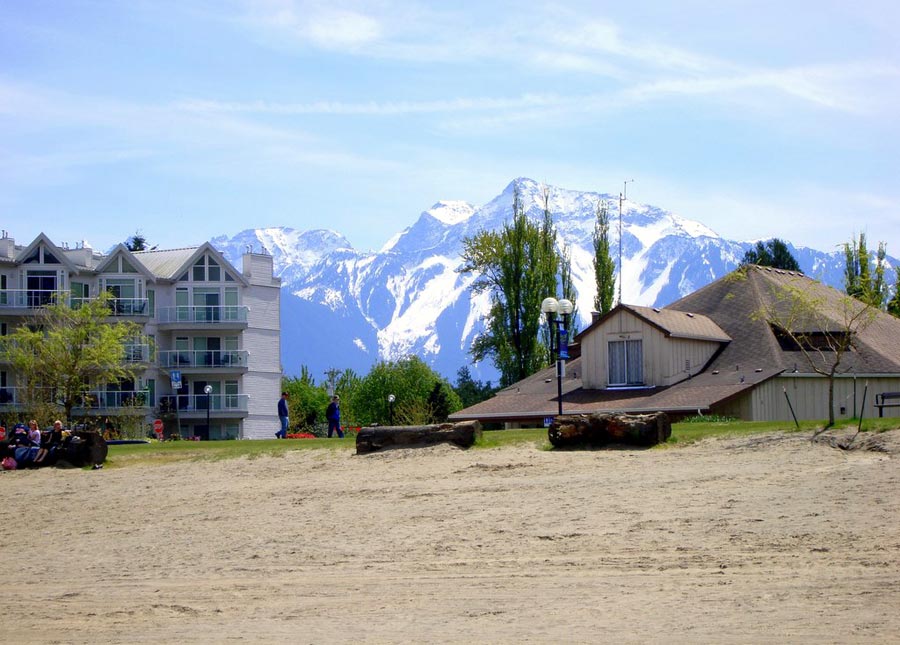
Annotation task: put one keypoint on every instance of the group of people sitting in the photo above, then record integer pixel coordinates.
(26, 446)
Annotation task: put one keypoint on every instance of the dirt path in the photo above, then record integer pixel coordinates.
(764, 540)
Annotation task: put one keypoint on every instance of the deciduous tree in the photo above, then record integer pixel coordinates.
(62, 353)
(604, 265)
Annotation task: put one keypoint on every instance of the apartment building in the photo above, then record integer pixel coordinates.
(209, 351)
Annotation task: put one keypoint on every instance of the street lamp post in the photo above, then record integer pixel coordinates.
(391, 399)
(208, 391)
(558, 326)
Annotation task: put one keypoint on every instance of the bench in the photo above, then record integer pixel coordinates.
(882, 401)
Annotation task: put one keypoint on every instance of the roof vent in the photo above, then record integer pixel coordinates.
(690, 315)
(715, 371)
(758, 369)
(656, 309)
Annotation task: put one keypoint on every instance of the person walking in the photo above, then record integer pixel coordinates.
(333, 414)
(283, 416)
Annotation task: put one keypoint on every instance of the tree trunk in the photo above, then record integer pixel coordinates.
(603, 429)
(461, 434)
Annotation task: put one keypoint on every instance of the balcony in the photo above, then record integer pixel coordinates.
(137, 353)
(202, 317)
(95, 401)
(194, 406)
(223, 359)
(27, 299)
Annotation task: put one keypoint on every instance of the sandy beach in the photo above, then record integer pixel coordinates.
(769, 539)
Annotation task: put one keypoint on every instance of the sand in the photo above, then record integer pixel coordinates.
(769, 539)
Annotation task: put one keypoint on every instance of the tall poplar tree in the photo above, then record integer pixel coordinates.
(517, 265)
(604, 265)
(860, 280)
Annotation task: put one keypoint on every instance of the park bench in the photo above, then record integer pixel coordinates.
(887, 400)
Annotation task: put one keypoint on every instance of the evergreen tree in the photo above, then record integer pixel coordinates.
(773, 253)
(439, 402)
(137, 242)
(604, 265)
(518, 267)
(469, 390)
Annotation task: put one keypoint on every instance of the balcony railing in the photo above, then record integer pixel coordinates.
(37, 298)
(203, 314)
(137, 353)
(30, 298)
(203, 358)
(91, 400)
(119, 306)
(202, 402)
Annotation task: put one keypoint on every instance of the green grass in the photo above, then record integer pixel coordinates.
(128, 455)
(132, 455)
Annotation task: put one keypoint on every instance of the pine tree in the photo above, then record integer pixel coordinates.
(773, 253)
(604, 265)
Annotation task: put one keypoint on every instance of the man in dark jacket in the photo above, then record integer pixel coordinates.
(283, 416)
(333, 414)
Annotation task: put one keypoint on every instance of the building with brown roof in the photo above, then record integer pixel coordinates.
(732, 348)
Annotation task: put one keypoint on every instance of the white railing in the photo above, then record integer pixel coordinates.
(30, 298)
(90, 400)
(168, 403)
(212, 314)
(37, 298)
(203, 358)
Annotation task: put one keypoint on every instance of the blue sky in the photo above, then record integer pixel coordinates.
(193, 119)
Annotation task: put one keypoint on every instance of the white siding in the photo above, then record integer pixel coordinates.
(666, 360)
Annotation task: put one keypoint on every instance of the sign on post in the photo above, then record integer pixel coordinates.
(158, 426)
(175, 375)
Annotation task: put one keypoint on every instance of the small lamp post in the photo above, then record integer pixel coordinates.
(208, 391)
(391, 399)
(550, 307)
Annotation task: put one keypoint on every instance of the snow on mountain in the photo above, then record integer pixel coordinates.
(349, 309)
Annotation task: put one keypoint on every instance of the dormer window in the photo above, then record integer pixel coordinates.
(626, 363)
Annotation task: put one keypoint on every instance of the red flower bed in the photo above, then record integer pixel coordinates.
(301, 435)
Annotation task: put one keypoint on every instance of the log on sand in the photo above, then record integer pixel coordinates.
(602, 429)
(375, 438)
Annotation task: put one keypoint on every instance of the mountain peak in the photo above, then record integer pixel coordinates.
(451, 212)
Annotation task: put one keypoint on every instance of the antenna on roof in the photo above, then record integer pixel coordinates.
(622, 196)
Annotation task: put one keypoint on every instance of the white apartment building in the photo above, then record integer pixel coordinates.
(202, 320)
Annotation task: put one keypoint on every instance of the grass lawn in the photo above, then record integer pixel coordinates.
(130, 455)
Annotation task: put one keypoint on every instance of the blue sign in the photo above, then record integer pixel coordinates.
(564, 346)
(175, 375)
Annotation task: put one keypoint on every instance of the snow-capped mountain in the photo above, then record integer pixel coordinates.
(345, 308)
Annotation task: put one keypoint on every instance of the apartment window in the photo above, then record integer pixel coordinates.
(151, 301)
(231, 395)
(626, 360)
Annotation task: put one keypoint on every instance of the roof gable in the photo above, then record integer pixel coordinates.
(57, 252)
(121, 250)
(170, 264)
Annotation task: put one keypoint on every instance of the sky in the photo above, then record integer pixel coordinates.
(185, 119)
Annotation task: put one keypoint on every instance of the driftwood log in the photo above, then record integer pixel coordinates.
(602, 429)
(375, 438)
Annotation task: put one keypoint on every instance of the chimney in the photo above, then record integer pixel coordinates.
(7, 247)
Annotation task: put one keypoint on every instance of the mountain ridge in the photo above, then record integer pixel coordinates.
(346, 308)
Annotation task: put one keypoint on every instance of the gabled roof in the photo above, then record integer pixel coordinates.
(171, 263)
(121, 249)
(58, 253)
(675, 324)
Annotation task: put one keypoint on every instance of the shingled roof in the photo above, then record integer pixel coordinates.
(730, 310)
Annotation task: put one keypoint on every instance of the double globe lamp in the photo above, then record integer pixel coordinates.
(557, 313)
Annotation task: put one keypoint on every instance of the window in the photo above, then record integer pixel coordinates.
(626, 358)
(206, 269)
(151, 301)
